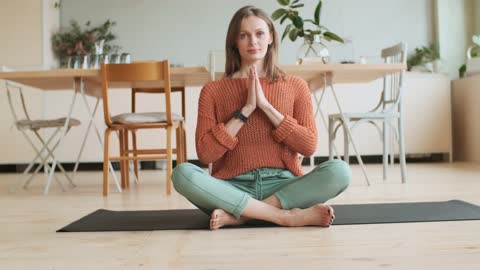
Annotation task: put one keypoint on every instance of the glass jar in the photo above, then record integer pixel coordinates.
(313, 51)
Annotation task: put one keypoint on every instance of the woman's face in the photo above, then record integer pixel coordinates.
(253, 39)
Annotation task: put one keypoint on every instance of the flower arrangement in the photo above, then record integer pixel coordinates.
(74, 40)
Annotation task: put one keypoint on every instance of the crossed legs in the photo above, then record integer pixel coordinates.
(300, 203)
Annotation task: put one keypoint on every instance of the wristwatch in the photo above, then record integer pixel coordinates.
(239, 115)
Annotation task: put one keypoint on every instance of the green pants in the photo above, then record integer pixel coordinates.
(324, 182)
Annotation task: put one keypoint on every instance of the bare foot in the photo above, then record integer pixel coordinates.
(220, 218)
(318, 215)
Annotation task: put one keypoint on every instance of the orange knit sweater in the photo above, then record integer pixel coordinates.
(258, 143)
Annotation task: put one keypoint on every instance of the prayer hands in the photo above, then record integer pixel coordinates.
(256, 97)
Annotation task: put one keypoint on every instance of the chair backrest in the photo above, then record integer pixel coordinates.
(136, 91)
(393, 83)
(11, 101)
(136, 73)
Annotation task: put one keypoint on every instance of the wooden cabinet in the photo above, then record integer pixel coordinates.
(466, 118)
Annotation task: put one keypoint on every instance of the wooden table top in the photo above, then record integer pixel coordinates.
(61, 79)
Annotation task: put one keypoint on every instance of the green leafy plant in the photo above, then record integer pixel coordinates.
(423, 55)
(462, 70)
(74, 40)
(299, 27)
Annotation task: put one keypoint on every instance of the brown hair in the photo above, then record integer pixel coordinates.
(233, 60)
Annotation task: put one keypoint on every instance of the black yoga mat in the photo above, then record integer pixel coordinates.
(194, 219)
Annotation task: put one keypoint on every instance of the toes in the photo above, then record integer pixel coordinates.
(330, 210)
(213, 225)
(332, 219)
(214, 222)
(328, 223)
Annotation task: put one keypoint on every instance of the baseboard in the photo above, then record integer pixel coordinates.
(152, 165)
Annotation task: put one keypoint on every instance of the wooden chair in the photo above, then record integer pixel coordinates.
(153, 75)
(182, 132)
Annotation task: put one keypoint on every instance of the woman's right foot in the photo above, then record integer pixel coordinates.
(318, 215)
(220, 218)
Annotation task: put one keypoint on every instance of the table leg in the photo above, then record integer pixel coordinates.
(322, 115)
(349, 134)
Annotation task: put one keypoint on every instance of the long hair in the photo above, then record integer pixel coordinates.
(233, 59)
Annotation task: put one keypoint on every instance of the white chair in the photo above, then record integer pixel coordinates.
(388, 109)
(45, 153)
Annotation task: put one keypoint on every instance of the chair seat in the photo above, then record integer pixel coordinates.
(50, 123)
(367, 115)
(144, 118)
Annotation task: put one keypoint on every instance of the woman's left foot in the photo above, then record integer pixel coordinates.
(220, 218)
(317, 215)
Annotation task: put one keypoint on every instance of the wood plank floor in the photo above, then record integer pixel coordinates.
(28, 222)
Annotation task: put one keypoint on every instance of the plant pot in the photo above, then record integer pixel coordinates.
(432, 67)
(437, 66)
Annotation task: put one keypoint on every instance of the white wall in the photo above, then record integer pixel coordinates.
(21, 33)
(185, 30)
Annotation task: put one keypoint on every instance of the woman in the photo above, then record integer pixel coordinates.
(251, 126)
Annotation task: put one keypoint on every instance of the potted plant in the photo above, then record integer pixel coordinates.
(473, 62)
(75, 41)
(424, 59)
(311, 30)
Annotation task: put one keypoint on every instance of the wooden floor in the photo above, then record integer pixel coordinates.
(28, 221)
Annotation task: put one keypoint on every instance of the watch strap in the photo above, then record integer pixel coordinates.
(239, 115)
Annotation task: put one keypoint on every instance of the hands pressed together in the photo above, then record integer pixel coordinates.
(256, 98)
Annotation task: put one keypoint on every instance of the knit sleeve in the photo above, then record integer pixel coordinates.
(299, 131)
(211, 138)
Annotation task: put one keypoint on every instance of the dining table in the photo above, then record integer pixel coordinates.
(87, 82)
